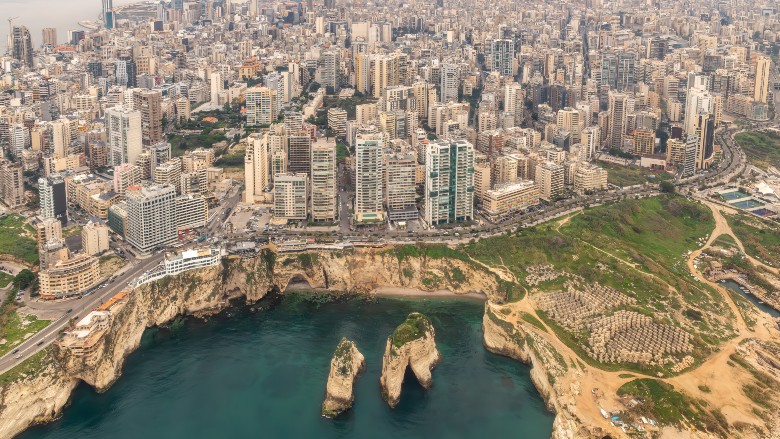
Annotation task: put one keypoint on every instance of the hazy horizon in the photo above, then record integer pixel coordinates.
(39, 14)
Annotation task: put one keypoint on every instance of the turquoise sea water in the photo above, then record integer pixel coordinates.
(263, 374)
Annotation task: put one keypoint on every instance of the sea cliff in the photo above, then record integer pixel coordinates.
(504, 338)
(39, 396)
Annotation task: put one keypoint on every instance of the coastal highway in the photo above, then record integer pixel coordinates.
(733, 164)
(79, 308)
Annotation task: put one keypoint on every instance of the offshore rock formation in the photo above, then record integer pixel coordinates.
(346, 364)
(40, 397)
(411, 345)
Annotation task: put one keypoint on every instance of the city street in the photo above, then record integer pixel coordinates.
(731, 166)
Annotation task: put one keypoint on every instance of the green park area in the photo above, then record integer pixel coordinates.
(637, 247)
(205, 129)
(659, 401)
(17, 239)
(188, 141)
(760, 238)
(761, 147)
(624, 176)
(15, 327)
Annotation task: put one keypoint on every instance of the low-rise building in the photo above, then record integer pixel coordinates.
(69, 277)
(191, 259)
(94, 238)
(508, 198)
(85, 335)
(590, 178)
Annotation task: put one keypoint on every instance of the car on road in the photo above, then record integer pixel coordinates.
(15, 351)
(18, 357)
(39, 343)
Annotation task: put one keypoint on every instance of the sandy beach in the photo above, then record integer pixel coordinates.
(409, 292)
(392, 292)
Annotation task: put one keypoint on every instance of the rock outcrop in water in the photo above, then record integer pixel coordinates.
(411, 345)
(40, 397)
(346, 364)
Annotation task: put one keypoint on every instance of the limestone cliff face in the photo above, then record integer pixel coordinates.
(191, 293)
(346, 364)
(40, 397)
(202, 292)
(367, 270)
(411, 345)
(503, 338)
(34, 400)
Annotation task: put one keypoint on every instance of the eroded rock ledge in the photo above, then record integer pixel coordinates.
(346, 364)
(503, 338)
(40, 397)
(411, 345)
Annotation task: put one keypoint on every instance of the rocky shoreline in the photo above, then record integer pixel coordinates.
(40, 397)
(502, 338)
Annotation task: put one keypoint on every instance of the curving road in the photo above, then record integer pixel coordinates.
(78, 308)
(732, 164)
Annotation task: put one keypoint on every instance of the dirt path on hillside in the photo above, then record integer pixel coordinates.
(594, 388)
(722, 227)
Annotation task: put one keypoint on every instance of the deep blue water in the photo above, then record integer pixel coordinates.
(263, 374)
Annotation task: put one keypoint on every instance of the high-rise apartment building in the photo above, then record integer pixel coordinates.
(256, 173)
(644, 142)
(329, 66)
(690, 155)
(699, 100)
(123, 135)
(149, 103)
(18, 137)
(53, 200)
(449, 182)
(705, 132)
(49, 36)
(323, 181)
(337, 121)
(299, 153)
(369, 177)
(191, 211)
(11, 183)
(108, 13)
(763, 71)
(291, 196)
(151, 216)
(550, 178)
(568, 119)
(500, 56)
(618, 103)
(261, 106)
(449, 83)
(400, 187)
(386, 73)
(21, 45)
